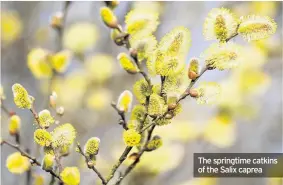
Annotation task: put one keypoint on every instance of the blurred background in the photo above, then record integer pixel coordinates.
(252, 94)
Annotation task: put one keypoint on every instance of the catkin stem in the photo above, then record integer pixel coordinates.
(87, 160)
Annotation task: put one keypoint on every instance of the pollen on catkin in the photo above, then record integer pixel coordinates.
(220, 24)
(162, 121)
(138, 113)
(133, 124)
(141, 90)
(208, 92)
(176, 84)
(45, 118)
(171, 51)
(92, 146)
(21, 97)
(48, 162)
(127, 63)
(125, 101)
(156, 88)
(157, 105)
(16, 163)
(108, 17)
(70, 176)
(154, 143)
(14, 124)
(255, 27)
(141, 22)
(144, 45)
(63, 135)
(223, 56)
(131, 137)
(42, 137)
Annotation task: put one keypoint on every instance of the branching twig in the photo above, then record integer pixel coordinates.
(183, 96)
(132, 166)
(87, 160)
(32, 159)
(187, 91)
(152, 125)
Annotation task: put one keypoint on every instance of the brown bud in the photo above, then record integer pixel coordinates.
(56, 20)
(172, 106)
(12, 113)
(133, 156)
(133, 52)
(192, 75)
(194, 93)
(90, 164)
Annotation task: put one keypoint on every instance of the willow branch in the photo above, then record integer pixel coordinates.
(32, 159)
(183, 96)
(126, 43)
(87, 160)
(152, 125)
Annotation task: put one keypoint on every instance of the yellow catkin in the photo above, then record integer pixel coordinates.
(92, 146)
(42, 137)
(108, 17)
(127, 63)
(131, 137)
(21, 97)
(255, 27)
(48, 162)
(70, 176)
(125, 101)
(14, 124)
(220, 24)
(16, 163)
(63, 135)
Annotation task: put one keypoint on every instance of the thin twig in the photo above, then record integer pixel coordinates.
(25, 154)
(227, 40)
(123, 120)
(146, 77)
(87, 160)
(58, 161)
(60, 29)
(35, 115)
(5, 109)
(120, 161)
